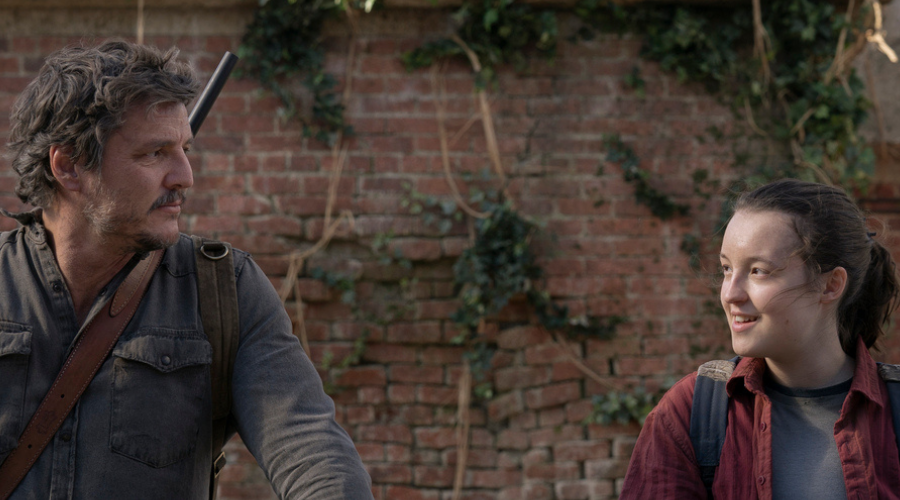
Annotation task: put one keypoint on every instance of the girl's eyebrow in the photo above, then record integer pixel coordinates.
(754, 259)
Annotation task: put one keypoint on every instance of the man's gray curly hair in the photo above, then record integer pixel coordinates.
(79, 98)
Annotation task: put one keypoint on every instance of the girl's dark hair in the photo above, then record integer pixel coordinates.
(80, 96)
(833, 233)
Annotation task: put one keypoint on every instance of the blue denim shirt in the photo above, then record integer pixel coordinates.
(142, 428)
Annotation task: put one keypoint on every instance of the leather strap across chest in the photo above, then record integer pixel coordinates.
(88, 354)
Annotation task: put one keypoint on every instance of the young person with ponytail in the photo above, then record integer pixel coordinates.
(806, 291)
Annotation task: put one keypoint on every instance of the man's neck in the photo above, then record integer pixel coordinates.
(86, 262)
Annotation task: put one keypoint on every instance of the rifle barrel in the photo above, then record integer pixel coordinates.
(211, 92)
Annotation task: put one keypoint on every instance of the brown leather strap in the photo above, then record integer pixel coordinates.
(219, 314)
(91, 349)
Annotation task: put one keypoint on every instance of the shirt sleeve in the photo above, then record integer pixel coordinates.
(663, 464)
(281, 410)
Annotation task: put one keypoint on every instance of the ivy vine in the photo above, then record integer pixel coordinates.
(282, 44)
(498, 32)
(798, 94)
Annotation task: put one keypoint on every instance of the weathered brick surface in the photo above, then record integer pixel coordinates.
(263, 186)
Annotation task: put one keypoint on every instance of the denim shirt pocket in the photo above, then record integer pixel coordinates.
(15, 350)
(160, 396)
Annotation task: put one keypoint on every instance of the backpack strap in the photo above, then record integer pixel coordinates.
(709, 416)
(891, 376)
(217, 292)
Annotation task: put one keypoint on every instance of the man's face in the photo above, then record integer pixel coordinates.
(135, 198)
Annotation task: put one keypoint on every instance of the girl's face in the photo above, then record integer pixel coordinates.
(773, 310)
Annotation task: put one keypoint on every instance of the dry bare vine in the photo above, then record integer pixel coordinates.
(761, 42)
(330, 227)
(462, 431)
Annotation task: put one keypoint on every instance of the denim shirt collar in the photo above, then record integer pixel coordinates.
(32, 220)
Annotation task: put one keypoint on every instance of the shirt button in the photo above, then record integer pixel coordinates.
(66, 437)
(56, 287)
(165, 360)
(763, 426)
(761, 480)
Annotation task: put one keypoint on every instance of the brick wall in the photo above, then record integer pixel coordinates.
(261, 185)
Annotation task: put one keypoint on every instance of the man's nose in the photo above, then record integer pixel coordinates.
(181, 176)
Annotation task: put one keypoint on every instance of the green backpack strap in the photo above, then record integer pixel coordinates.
(219, 313)
(891, 376)
(709, 416)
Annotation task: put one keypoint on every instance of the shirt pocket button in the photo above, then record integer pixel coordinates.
(165, 360)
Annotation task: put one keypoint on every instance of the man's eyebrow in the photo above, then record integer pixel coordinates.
(162, 143)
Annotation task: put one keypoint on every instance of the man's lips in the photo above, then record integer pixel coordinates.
(170, 202)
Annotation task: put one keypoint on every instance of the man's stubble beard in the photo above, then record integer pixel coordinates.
(108, 222)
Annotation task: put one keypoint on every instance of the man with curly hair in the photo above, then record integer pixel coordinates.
(100, 140)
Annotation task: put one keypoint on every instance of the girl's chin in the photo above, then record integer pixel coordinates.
(745, 349)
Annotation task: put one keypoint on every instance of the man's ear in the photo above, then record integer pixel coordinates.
(835, 284)
(65, 169)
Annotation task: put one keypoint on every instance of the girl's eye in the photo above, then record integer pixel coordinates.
(759, 272)
(726, 269)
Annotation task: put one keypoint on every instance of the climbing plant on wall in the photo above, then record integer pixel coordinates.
(782, 66)
(787, 75)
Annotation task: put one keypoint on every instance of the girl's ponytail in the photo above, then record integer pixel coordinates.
(866, 314)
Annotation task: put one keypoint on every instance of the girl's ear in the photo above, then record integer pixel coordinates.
(64, 168)
(835, 284)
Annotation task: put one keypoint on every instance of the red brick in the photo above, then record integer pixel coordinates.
(440, 477)
(494, 479)
(553, 472)
(518, 377)
(439, 437)
(615, 430)
(417, 249)
(389, 353)
(437, 395)
(417, 374)
(509, 439)
(549, 353)
(371, 395)
(501, 407)
(276, 224)
(397, 492)
(549, 436)
(633, 365)
(360, 376)
(520, 336)
(552, 395)
(663, 346)
(606, 468)
(390, 473)
(244, 205)
(384, 433)
(580, 451)
(370, 452)
(399, 394)
(426, 332)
